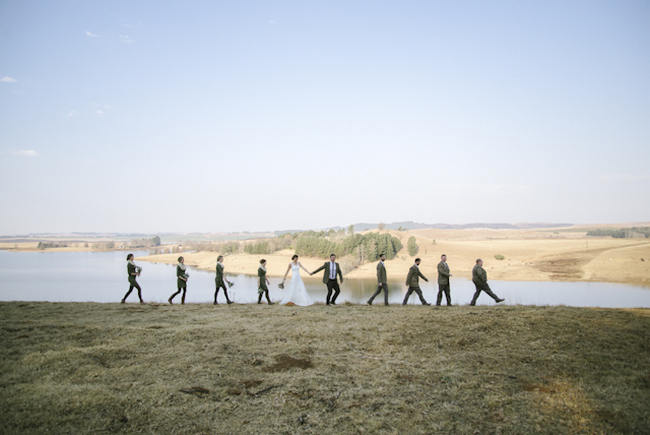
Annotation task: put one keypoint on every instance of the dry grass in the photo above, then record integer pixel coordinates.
(350, 369)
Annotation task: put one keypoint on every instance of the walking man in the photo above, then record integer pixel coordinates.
(332, 269)
(443, 281)
(382, 282)
(413, 282)
(479, 277)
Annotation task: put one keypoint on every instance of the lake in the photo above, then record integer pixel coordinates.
(101, 277)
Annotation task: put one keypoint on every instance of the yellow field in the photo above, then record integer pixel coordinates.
(531, 255)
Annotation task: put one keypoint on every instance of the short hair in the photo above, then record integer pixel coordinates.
(294, 256)
(382, 255)
(179, 259)
(417, 259)
(477, 260)
(443, 255)
(262, 261)
(332, 255)
(219, 257)
(128, 257)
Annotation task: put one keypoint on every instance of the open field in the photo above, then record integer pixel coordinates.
(349, 369)
(530, 255)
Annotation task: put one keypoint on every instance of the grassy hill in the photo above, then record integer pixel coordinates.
(76, 367)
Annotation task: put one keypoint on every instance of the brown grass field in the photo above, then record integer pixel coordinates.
(92, 368)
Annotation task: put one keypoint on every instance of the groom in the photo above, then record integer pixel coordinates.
(332, 269)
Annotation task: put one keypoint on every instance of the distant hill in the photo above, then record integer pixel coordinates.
(410, 225)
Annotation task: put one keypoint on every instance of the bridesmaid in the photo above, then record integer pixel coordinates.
(181, 280)
(133, 272)
(263, 288)
(220, 281)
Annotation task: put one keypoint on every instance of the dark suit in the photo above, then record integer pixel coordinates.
(479, 278)
(443, 283)
(382, 283)
(332, 283)
(413, 283)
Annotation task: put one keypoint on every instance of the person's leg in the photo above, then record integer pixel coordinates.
(488, 290)
(475, 297)
(259, 296)
(329, 292)
(171, 298)
(216, 292)
(183, 295)
(137, 286)
(268, 298)
(225, 292)
(448, 294)
(372, 298)
(127, 293)
(337, 290)
(439, 298)
(408, 294)
(385, 287)
(422, 300)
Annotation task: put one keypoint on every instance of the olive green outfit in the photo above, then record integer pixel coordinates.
(262, 288)
(220, 283)
(479, 278)
(180, 283)
(413, 283)
(443, 283)
(132, 271)
(382, 283)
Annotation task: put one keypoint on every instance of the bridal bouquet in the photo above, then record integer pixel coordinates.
(281, 285)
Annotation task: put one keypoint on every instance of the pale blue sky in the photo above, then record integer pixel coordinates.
(224, 116)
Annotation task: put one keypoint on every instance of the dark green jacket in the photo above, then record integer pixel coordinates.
(131, 270)
(326, 274)
(219, 278)
(479, 275)
(443, 273)
(413, 278)
(261, 273)
(181, 273)
(381, 273)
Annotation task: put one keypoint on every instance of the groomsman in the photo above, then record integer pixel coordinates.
(382, 282)
(413, 283)
(479, 277)
(443, 281)
(220, 281)
(332, 269)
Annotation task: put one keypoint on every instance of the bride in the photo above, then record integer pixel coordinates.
(296, 291)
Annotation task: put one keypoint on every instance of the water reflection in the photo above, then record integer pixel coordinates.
(101, 277)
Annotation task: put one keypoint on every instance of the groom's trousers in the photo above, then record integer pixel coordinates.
(332, 285)
(416, 290)
(382, 286)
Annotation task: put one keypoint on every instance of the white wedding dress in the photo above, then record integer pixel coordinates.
(295, 291)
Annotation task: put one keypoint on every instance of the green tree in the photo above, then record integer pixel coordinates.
(412, 246)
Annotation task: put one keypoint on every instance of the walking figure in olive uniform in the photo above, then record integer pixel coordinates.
(220, 281)
(443, 281)
(263, 288)
(331, 270)
(413, 283)
(479, 277)
(181, 280)
(133, 271)
(382, 282)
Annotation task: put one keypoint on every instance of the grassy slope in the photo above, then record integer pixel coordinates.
(93, 367)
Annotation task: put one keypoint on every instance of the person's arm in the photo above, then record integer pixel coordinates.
(286, 273)
(441, 271)
(319, 269)
(338, 270)
(408, 277)
(303, 267)
(422, 276)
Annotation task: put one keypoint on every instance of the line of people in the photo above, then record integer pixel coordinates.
(332, 274)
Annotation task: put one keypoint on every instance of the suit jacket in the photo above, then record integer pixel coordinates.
(326, 274)
(479, 275)
(381, 273)
(219, 278)
(413, 278)
(443, 273)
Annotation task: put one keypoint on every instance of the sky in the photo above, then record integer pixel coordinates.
(210, 116)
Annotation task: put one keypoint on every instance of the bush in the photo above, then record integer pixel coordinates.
(412, 246)
(499, 257)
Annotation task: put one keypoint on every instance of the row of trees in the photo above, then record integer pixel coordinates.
(621, 233)
(368, 247)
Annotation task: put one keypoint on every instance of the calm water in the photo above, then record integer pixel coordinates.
(101, 277)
